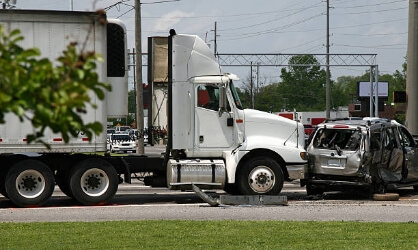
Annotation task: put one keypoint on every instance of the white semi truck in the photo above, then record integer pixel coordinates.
(212, 141)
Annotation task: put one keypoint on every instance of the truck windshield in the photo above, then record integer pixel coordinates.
(237, 101)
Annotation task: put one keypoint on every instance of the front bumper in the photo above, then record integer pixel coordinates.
(296, 171)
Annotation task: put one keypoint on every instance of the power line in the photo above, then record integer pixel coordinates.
(382, 46)
(369, 5)
(369, 12)
(166, 1)
(300, 45)
(273, 20)
(373, 34)
(268, 31)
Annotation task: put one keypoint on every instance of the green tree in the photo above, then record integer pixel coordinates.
(48, 96)
(244, 96)
(303, 87)
(131, 101)
(268, 98)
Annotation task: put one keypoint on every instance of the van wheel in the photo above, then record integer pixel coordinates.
(93, 182)
(261, 175)
(29, 183)
(416, 188)
(312, 190)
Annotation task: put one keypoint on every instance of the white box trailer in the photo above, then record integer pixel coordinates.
(51, 32)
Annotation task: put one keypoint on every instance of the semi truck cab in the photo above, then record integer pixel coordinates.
(256, 150)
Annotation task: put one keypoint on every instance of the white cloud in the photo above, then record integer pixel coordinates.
(168, 20)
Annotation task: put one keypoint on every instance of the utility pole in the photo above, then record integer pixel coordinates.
(138, 80)
(411, 71)
(328, 87)
(251, 87)
(215, 47)
(134, 63)
(258, 77)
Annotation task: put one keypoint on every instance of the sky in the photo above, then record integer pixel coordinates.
(267, 26)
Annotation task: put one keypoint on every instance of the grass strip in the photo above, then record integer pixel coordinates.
(173, 234)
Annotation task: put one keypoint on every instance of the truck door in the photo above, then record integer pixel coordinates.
(212, 130)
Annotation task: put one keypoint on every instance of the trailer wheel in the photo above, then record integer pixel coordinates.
(29, 183)
(93, 182)
(260, 175)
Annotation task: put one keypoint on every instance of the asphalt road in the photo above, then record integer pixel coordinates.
(137, 202)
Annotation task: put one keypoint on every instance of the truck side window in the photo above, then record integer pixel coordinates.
(208, 97)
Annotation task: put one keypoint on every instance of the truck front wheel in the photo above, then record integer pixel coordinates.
(260, 175)
(93, 182)
(29, 183)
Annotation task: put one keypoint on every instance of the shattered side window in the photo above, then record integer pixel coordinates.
(375, 140)
(345, 139)
(406, 138)
(389, 140)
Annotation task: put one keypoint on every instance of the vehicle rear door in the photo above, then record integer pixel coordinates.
(411, 154)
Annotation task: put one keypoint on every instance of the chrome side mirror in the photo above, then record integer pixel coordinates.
(223, 101)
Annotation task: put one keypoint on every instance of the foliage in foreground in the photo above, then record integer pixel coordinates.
(209, 235)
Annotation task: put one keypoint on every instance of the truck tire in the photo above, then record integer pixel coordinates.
(260, 175)
(29, 183)
(93, 182)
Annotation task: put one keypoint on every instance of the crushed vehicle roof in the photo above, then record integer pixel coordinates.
(357, 121)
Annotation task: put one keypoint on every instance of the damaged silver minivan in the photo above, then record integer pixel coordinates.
(366, 154)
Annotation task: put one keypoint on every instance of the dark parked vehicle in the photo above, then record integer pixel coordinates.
(370, 154)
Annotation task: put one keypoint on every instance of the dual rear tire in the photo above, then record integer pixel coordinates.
(30, 183)
(93, 182)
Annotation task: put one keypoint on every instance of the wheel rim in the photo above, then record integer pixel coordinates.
(261, 179)
(94, 182)
(30, 183)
